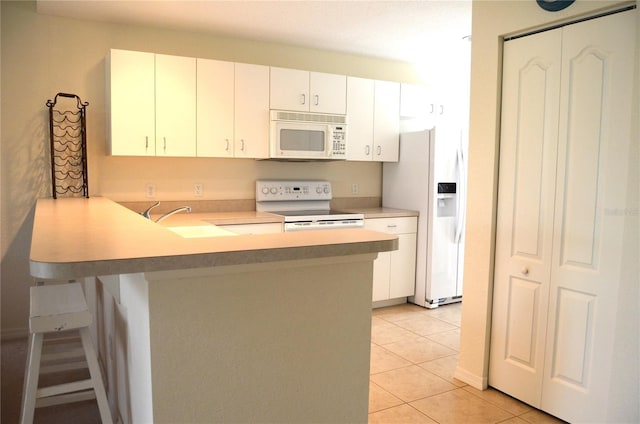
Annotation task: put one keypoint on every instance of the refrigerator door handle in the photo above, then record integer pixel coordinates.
(461, 195)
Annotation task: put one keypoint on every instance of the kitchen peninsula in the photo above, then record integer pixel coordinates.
(242, 328)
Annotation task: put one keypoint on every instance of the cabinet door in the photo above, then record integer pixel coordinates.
(251, 111)
(394, 273)
(328, 93)
(215, 105)
(386, 119)
(175, 106)
(289, 89)
(360, 97)
(403, 267)
(381, 272)
(131, 112)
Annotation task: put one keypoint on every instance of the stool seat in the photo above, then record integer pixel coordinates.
(55, 308)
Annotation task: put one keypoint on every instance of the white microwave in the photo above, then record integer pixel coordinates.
(307, 136)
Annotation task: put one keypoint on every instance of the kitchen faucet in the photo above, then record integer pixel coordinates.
(147, 212)
(186, 209)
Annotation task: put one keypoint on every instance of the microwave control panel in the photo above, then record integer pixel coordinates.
(339, 143)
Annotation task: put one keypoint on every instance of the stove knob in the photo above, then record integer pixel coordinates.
(265, 190)
(274, 190)
(319, 190)
(326, 189)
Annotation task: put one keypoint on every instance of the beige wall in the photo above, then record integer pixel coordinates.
(492, 20)
(43, 55)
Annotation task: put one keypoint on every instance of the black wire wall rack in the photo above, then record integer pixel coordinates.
(68, 137)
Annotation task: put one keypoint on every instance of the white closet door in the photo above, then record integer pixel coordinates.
(531, 85)
(592, 184)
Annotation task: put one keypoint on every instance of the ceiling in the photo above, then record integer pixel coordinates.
(403, 30)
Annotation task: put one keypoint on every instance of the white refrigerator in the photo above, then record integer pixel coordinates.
(430, 178)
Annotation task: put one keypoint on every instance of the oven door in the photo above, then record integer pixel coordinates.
(292, 140)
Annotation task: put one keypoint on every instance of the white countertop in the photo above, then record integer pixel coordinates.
(74, 238)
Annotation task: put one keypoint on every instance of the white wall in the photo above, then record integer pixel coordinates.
(491, 20)
(43, 55)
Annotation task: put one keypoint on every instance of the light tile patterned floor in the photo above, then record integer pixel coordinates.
(413, 360)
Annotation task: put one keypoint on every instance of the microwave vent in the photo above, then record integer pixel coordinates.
(283, 115)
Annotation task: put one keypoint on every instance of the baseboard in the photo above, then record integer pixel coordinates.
(14, 333)
(389, 302)
(477, 382)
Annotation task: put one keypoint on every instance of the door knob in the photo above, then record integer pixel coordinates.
(525, 271)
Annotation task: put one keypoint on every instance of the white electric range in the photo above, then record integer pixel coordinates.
(304, 204)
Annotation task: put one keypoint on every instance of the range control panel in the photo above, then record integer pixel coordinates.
(279, 190)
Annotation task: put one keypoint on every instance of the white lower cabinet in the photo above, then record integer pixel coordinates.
(394, 273)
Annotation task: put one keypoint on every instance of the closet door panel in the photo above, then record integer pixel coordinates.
(583, 139)
(592, 183)
(528, 143)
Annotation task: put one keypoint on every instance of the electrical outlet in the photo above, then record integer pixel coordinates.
(197, 189)
(354, 188)
(150, 190)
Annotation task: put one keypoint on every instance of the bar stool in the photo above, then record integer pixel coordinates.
(55, 308)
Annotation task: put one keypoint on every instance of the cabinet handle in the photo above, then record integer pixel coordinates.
(433, 108)
(227, 141)
(367, 150)
(303, 99)
(146, 142)
(441, 110)
(525, 271)
(242, 145)
(165, 143)
(379, 150)
(392, 226)
(317, 99)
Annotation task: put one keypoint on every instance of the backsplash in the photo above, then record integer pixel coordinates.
(242, 205)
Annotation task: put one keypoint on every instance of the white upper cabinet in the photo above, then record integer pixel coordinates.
(305, 91)
(215, 108)
(251, 111)
(151, 104)
(130, 97)
(386, 118)
(328, 93)
(374, 120)
(175, 106)
(422, 107)
(289, 89)
(360, 98)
